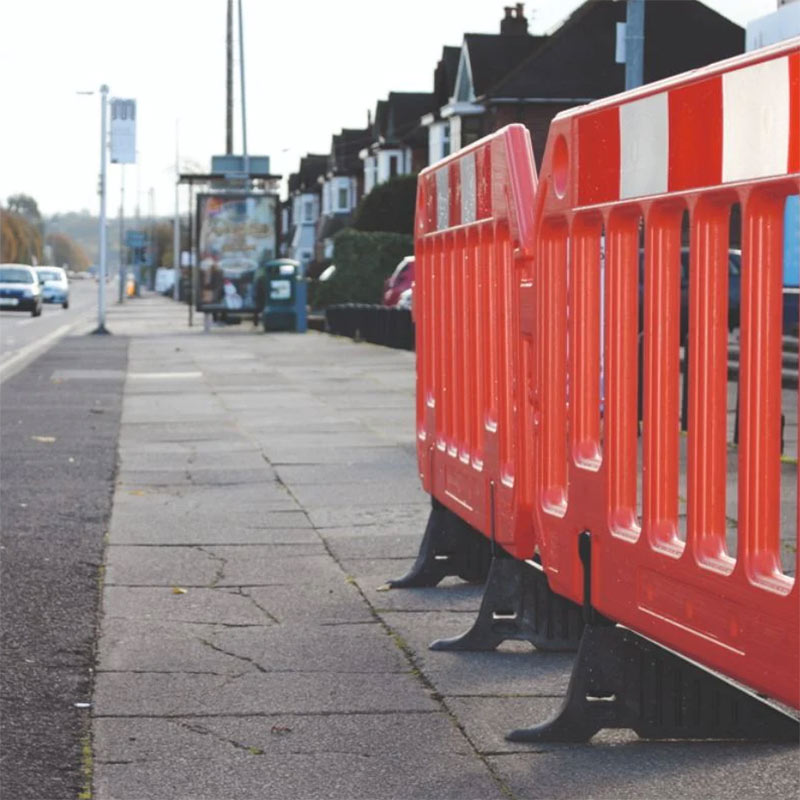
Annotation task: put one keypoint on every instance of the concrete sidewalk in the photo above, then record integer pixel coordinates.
(267, 489)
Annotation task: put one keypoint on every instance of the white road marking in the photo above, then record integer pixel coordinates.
(164, 375)
(34, 348)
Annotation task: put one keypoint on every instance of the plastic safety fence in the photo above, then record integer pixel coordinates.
(376, 324)
(620, 178)
(473, 234)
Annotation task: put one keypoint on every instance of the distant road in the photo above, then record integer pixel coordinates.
(22, 336)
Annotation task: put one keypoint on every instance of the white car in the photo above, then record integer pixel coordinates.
(19, 289)
(55, 286)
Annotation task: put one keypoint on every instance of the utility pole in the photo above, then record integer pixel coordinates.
(241, 82)
(229, 83)
(634, 44)
(151, 196)
(122, 258)
(176, 225)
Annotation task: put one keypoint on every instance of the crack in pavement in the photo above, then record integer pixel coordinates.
(225, 652)
(240, 590)
(203, 731)
(221, 564)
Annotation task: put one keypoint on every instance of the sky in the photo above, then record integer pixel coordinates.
(312, 68)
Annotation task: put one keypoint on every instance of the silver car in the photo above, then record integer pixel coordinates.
(55, 286)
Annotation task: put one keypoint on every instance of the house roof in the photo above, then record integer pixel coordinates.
(345, 147)
(397, 119)
(444, 76)
(578, 60)
(305, 179)
(491, 56)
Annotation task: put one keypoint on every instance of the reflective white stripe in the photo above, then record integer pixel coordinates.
(442, 199)
(755, 122)
(643, 146)
(467, 176)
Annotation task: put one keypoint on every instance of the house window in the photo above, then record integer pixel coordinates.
(445, 139)
(308, 211)
(343, 198)
(394, 165)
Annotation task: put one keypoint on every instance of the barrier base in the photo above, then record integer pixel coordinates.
(519, 604)
(621, 680)
(449, 547)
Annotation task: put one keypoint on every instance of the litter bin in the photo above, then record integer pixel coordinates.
(285, 295)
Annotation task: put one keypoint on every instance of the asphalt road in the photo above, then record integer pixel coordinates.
(21, 333)
(58, 437)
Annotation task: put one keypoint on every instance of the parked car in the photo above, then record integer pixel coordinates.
(406, 298)
(55, 286)
(401, 279)
(19, 289)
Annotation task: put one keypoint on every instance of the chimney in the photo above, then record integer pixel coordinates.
(514, 22)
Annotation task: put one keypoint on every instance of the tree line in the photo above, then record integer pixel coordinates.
(23, 239)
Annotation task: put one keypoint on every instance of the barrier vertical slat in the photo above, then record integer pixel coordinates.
(507, 363)
(585, 338)
(708, 384)
(553, 273)
(459, 281)
(660, 429)
(440, 366)
(759, 409)
(622, 283)
(477, 353)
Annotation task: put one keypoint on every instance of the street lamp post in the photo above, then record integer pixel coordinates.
(101, 291)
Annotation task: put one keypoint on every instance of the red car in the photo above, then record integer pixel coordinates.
(401, 279)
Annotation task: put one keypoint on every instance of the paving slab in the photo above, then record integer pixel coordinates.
(635, 770)
(196, 461)
(204, 565)
(120, 694)
(370, 543)
(515, 669)
(153, 527)
(196, 605)
(414, 514)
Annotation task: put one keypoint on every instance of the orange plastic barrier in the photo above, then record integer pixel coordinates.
(474, 233)
(617, 179)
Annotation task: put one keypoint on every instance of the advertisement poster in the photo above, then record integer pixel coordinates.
(236, 234)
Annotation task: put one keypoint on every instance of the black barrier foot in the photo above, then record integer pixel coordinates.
(449, 547)
(621, 680)
(518, 604)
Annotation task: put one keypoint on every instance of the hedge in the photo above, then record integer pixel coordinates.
(363, 261)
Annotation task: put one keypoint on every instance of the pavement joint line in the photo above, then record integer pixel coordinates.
(260, 668)
(194, 545)
(224, 588)
(274, 714)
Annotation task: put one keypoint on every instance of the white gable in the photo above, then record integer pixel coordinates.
(464, 91)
